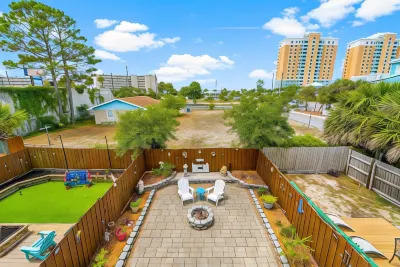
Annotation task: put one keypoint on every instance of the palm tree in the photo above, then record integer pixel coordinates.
(8, 121)
(367, 117)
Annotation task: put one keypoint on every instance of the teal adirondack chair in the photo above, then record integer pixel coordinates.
(37, 250)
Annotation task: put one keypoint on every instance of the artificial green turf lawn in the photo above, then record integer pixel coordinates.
(50, 203)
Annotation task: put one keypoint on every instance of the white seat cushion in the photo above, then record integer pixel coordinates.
(213, 197)
(186, 196)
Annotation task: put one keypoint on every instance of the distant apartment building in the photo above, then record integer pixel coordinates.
(307, 60)
(118, 81)
(371, 55)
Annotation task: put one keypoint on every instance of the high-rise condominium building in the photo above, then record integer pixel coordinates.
(303, 61)
(371, 55)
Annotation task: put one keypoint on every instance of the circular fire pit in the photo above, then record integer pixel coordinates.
(200, 217)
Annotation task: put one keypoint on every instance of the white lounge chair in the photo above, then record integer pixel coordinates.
(338, 221)
(185, 192)
(367, 247)
(218, 193)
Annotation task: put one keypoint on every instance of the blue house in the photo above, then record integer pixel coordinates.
(108, 112)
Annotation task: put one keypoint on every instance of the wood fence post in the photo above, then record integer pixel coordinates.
(371, 175)
(348, 161)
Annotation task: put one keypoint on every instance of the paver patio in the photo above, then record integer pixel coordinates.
(237, 238)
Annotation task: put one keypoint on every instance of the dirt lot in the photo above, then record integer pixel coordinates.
(344, 197)
(200, 128)
(301, 129)
(203, 128)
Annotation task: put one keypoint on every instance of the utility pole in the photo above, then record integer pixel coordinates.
(65, 156)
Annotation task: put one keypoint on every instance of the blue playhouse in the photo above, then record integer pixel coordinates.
(77, 178)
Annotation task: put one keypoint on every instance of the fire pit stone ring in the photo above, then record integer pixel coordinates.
(200, 217)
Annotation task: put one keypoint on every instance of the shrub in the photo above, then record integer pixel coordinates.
(157, 171)
(261, 191)
(165, 170)
(82, 110)
(306, 140)
(288, 231)
(269, 199)
(64, 119)
(211, 106)
(49, 121)
(100, 260)
(279, 223)
(136, 203)
(296, 251)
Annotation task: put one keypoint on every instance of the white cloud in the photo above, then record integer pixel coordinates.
(290, 11)
(206, 81)
(312, 27)
(331, 11)
(260, 73)
(220, 43)
(171, 40)
(104, 23)
(126, 26)
(105, 55)
(288, 27)
(125, 39)
(275, 62)
(357, 23)
(182, 67)
(372, 9)
(197, 40)
(268, 36)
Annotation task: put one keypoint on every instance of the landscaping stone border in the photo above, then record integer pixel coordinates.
(160, 183)
(269, 229)
(245, 185)
(123, 257)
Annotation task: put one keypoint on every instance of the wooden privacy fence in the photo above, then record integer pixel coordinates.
(92, 225)
(308, 159)
(330, 248)
(234, 158)
(14, 165)
(77, 158)
(380, 177)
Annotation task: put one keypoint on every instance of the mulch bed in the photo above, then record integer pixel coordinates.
(150, 178)
(249, 177)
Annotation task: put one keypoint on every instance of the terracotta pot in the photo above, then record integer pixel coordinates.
(121, 236)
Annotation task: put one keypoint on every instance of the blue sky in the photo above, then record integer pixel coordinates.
(207, 40)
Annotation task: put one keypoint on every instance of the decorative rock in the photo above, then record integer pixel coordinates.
(126, 248)
(136, 228)
(140, 218)
(262, 215)
(120, 263)
(271, 232)
(138, 223)
(277, 245)
(284, 259)
(258, 206)
(265, 220)
(279, 250)
(273, 236)
(143, 213)
(260, 211)
(133, 234)
(129, 241)
(123, 255)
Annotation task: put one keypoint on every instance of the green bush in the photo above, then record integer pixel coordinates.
(49, 121)
(211, 106)
(165, 171)
(306, 140)
(261, 191)
(270, 199)
(136, 203)
(288, 231)
(64, 119)
(157, 171)
(83, 111)
(100, 259)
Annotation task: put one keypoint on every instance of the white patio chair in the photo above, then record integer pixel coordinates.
(185, 192)
(218, 193)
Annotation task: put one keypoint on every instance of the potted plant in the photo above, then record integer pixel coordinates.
(269, 201)
(135, 205)
(120, 234)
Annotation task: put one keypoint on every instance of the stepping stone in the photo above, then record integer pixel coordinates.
(279, 250)
(133, 234)
(268, 226)
(140, 218)
(265, 220)
(143, 213)
(129, 241)
(271, 232)
(136, 228)
(284, 259)
(120, 263)
(126, 248)
(277, 245)
(273, 236)
(260, 211)
(123, 255)
(258, 206)
(262, 215)
(138, 223)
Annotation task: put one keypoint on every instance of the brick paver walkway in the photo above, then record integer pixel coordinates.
(237, 237)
